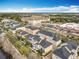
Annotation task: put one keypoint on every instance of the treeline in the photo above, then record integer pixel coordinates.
(64, 18)
(10, 16)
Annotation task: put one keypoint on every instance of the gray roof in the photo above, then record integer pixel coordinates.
(23, 33)
(35, 37)
(50, 26)
(51, 34)
(56, 37)
(32, 27)
(14, 27)
(62, 53)
(47, 33)
(1, 31)
(45, 43)
(13, 24)
(72, 45)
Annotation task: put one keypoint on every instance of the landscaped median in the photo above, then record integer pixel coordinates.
(22, 45)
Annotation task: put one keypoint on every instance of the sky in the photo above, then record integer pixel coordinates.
(65, 6)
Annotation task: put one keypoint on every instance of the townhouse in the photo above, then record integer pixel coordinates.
(67, 50)
(50, 36)
(44, 41)
(31, 29)
(11, 25)
(38, 44)
(21, 34)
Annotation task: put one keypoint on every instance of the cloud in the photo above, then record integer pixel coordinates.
(64, 9)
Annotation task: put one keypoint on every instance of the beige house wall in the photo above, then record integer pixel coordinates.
(55, 57)
(48, 49)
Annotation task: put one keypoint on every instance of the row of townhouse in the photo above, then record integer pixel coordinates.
(11, 25)
(42, 40)
(48, 40)
(67, 50)
(45, 41)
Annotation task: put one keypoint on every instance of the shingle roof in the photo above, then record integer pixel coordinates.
(45, 43)
(72, 45)
(35, 37)
(23, 33)
(46, 33)
(32, 27)
(56, 37)
(0, 32)
(62, 53)
(14, 27)
(50, 26)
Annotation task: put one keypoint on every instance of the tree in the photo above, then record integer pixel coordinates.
(11, 36)
(39, 52)
(16, 17)
(17, 44)
(25, 50)
(64, 18)
(0, 19)
(11, 16)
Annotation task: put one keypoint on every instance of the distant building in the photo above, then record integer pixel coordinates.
(35, 19)
(31, 29)
(67, 50)
(70, 26)
(11, 25)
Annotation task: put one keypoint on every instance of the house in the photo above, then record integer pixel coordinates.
(49, 36)
(6, 20)
(11, 25)
(48, 25)
(14, 27)
(6, 23)
(46, 47)
(21, 33)
(32, 29)
(67, 50)
(39, 44)
(33, 39)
